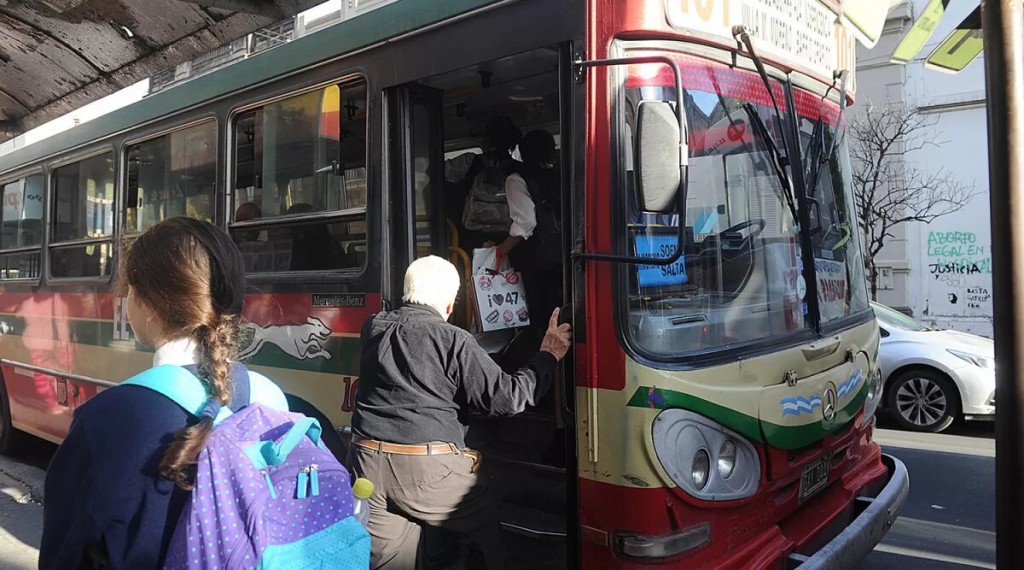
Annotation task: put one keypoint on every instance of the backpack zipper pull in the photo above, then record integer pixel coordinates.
(270, 485)
(302, 483)
(314, 480)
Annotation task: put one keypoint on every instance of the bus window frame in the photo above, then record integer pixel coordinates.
(51, 189)
(690, 48)
(121, 191)
(349, 78)
(22, 174)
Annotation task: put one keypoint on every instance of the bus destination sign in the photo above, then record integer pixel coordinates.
(806, 35)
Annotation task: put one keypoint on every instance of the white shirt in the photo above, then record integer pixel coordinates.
(179, 352)
(520, 207)
(185, 352)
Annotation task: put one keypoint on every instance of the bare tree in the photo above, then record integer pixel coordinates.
(888, 190)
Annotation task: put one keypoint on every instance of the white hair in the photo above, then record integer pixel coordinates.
(431, 281)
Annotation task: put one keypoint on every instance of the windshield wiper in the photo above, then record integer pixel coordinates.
(826, 156)
(741, 34)
(761, 130)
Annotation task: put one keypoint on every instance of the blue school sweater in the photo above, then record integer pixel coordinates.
(104, 491)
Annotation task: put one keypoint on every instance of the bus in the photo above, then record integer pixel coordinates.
(718, 407)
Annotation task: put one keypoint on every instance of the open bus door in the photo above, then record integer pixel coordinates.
(415, 163)
(416, 175)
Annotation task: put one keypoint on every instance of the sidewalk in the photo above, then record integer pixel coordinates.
(21, 515)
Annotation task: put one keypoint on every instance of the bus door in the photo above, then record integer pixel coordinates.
(416, 174)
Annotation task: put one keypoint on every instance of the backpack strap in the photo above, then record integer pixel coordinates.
(180, 386)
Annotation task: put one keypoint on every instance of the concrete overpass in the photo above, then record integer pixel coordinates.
(58, 55)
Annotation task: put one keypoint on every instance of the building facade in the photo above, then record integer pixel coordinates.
(941, 272)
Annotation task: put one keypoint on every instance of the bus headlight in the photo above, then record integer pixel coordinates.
(726, 458)
(705, 459)
(701, 469)
(874, 394)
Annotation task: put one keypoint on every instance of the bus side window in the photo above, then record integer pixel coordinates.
(172, 175)
(81, 235)
(299, 199)
(21, 228)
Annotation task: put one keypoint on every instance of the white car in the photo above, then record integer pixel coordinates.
(933, 376)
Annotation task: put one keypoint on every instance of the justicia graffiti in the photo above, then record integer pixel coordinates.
(959, 274)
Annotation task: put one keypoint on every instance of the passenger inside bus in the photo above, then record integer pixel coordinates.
(539, 258)
(530, 233)
(485, 189)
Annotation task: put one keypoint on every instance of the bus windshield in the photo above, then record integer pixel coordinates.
(742, 278)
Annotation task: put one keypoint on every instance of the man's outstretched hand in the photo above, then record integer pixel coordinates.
(558, 338)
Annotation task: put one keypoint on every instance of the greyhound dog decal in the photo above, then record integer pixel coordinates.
(303, 342)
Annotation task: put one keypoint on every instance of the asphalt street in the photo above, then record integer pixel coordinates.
(949, 521)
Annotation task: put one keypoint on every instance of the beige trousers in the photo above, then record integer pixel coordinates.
(438, 490)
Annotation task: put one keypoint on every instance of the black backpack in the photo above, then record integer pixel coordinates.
(545, 191)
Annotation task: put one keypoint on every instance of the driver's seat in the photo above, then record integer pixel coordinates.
(727, 260)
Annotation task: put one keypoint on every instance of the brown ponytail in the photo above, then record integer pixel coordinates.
(216, 346)
(188, 273)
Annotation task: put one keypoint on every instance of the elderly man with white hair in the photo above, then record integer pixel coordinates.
(419, 378)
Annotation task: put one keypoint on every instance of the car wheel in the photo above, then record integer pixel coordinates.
(923, 400)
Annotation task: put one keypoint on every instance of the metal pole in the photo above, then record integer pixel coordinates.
(1003, 25)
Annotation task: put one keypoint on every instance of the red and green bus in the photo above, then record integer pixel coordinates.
(717, 410)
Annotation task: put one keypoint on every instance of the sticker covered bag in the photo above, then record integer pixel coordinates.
(499, 292)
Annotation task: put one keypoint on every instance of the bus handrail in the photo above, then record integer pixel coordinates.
(21, 249)
(299, 218)
(81, 241)
(58, 373)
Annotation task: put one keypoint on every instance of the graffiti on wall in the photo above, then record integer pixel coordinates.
(960, 269)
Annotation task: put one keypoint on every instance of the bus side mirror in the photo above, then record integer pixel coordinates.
(661, 154)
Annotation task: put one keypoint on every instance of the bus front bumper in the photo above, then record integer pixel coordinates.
(855, 542)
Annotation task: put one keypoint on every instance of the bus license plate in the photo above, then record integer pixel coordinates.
(814, 478)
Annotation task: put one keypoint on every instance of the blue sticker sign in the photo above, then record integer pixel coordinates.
(659, 247)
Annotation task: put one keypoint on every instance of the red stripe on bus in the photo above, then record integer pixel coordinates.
(64, 305)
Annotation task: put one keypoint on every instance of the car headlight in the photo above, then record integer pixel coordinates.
(874, 394)
(705, 459)
(975, 359)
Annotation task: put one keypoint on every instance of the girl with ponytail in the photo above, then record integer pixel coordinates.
(118, 484)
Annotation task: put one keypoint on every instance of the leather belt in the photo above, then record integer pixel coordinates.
(403, 449)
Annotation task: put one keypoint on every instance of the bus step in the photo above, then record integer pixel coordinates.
(532, 523)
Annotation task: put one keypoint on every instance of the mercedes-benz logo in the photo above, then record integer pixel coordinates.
(828, 404)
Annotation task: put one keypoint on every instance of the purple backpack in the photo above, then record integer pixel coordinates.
(268, 494)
